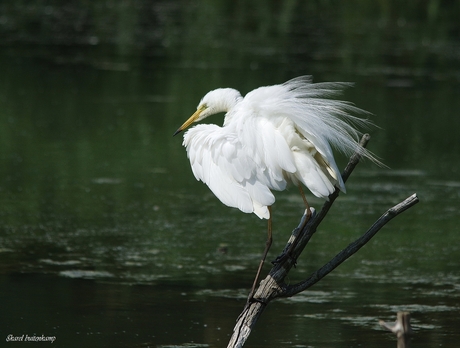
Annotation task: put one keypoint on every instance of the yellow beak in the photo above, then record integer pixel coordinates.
(192, 119)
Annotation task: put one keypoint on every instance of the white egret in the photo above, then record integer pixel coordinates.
(273, 136)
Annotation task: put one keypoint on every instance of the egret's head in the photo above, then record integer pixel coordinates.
(218, 100)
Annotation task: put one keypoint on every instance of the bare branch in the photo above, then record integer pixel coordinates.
(351, 248)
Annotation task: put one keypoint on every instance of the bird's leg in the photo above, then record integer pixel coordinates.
(307, 206)
(267, 247)
(288, 252)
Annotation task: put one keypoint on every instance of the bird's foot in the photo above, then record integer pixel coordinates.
(287, 252)
(251, 299)
(286, 255)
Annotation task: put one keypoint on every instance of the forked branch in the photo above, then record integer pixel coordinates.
(352, 248)
(273, 286)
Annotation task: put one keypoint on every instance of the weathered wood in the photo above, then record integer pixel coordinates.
(401, 328)
(273, 285)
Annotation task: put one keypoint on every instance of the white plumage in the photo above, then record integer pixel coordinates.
(274, 135)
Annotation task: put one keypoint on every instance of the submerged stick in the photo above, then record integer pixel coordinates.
(401, 328)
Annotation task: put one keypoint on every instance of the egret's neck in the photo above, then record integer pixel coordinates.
(225, 99)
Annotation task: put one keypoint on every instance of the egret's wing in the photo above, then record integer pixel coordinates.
(328, 121)
(219, 160)
(311, 172)
(267, 146)
(327, 157)
(321, 120)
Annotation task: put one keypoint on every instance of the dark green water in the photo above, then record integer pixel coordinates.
(107, 240)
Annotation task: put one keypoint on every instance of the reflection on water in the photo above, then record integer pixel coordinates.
(106, 239)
